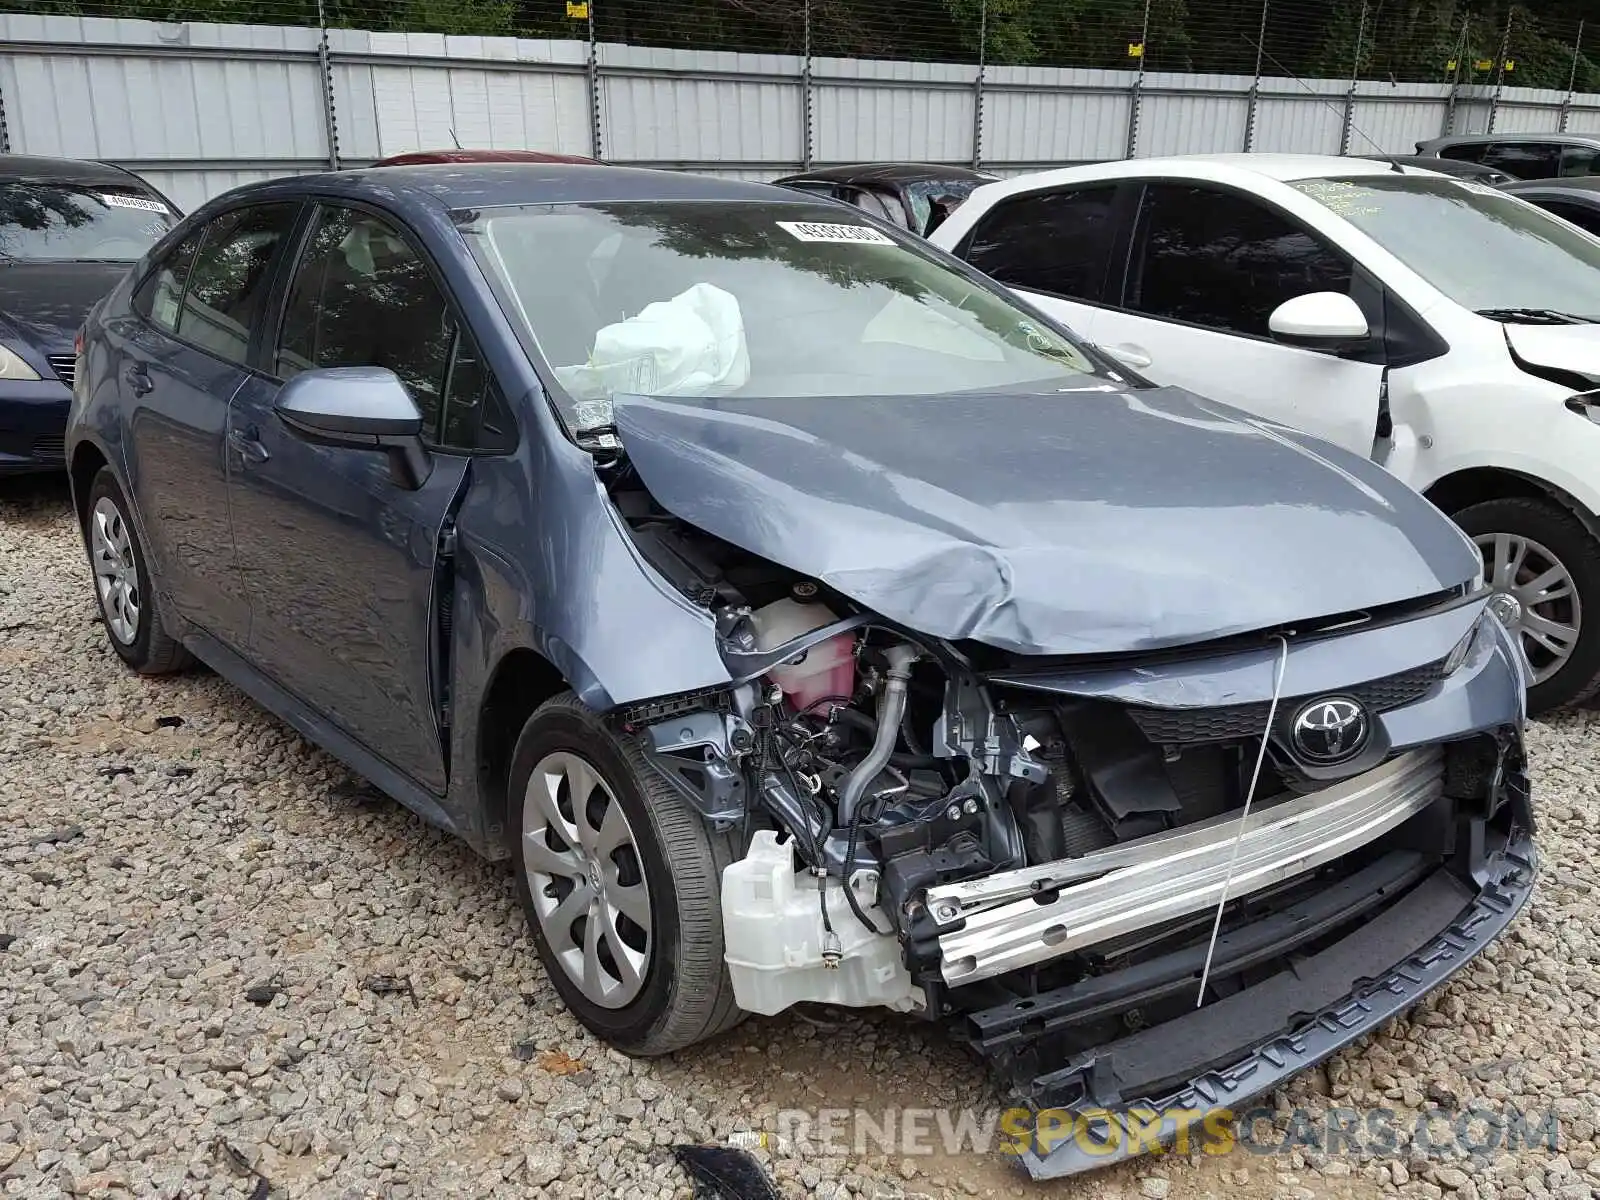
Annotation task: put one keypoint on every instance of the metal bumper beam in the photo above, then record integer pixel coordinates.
(1156, 879)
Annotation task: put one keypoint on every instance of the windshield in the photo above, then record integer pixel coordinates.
(1480, 247)
(65, 222)
(733, 298)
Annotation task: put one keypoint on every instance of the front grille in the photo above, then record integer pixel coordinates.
(64, 365)
(1185, 726)
(49, 449)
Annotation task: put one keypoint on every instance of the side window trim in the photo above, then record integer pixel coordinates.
(300, 245)
(1139, 228)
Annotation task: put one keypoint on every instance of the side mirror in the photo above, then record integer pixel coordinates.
(360, 408)
(1320, 321)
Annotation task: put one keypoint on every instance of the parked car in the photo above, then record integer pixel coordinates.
(914, 196)
(417, 158)
(1442, 328)
(1522, 155)
(68, 231)
(1460, 168)
(1574, 200)
(807, 619)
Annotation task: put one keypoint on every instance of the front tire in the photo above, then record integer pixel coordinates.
(128, 604)
(621, 881)
(1541, 556)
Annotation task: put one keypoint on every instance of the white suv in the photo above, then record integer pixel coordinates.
(1444, 328)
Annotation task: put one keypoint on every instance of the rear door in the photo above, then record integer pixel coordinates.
(339, 559)
(1206, 268)
(1055, 247)
(181, 358)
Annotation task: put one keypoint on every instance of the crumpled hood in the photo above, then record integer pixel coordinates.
(1084, 522)
(1559, 347)
(45, 303)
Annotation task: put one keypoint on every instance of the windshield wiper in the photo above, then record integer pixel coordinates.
(1535, 316)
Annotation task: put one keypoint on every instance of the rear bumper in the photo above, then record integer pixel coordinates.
(33, 425)
(1111, 1104)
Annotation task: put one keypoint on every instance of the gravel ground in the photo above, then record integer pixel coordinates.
(221, 956)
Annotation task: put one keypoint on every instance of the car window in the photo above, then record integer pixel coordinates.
(1579, 160)
(161, 293)
(1580, 215)
(885, 208)
(1224, 261)
(45, 221)
(230, 278)
(1479, 246)
(475, 413)
(362, 297)
(1524, 160)
(1055, 242)
(1464, 151)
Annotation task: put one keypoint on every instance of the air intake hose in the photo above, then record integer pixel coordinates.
(891, 708)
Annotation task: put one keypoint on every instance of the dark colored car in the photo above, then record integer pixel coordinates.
(417, 158)
(1459, 168)
(914, 196)
(808, 619)
(1520, 155)
(68, 231)
(1576, 200)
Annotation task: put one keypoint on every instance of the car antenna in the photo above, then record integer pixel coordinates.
(1270, 57)
(455, 139)
(1244, 815)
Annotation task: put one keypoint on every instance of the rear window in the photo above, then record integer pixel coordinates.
(72, 222)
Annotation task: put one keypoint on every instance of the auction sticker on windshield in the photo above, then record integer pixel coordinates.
(119, 200)
(823, 231)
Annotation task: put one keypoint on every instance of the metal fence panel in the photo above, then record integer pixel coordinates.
(201, 107)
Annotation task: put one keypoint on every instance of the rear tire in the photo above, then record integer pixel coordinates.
(129, 605)
(1545, 558)
(600, 838)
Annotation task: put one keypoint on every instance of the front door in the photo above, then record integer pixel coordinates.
(1206, 269)
(181, 359)
(338, 557)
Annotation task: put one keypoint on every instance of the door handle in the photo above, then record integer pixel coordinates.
(247, 445)
(1130, 355)
(139, 380)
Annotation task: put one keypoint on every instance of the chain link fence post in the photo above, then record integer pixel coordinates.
(807, 100)
(330, 111)
(1500, 70)
(1255, 84)
(1566, 101)
(596, 143)
(977, 84)
(1136, 92)
(1355, 75)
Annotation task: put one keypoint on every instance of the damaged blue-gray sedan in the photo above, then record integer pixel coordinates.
(808, 620)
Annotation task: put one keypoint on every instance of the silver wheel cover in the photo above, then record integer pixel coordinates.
(586, 876)
(116, 572)
(1549, 611)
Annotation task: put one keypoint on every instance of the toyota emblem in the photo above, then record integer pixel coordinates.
(1331, 730)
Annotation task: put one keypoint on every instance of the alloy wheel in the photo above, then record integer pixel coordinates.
(1548, 613)
(116, 573)
(587, 880)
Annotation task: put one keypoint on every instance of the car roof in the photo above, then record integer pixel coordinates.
(1242, 169)
(490, 185)
(1473, 138)
(418, 157)
(890, 172)
(20, 167)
